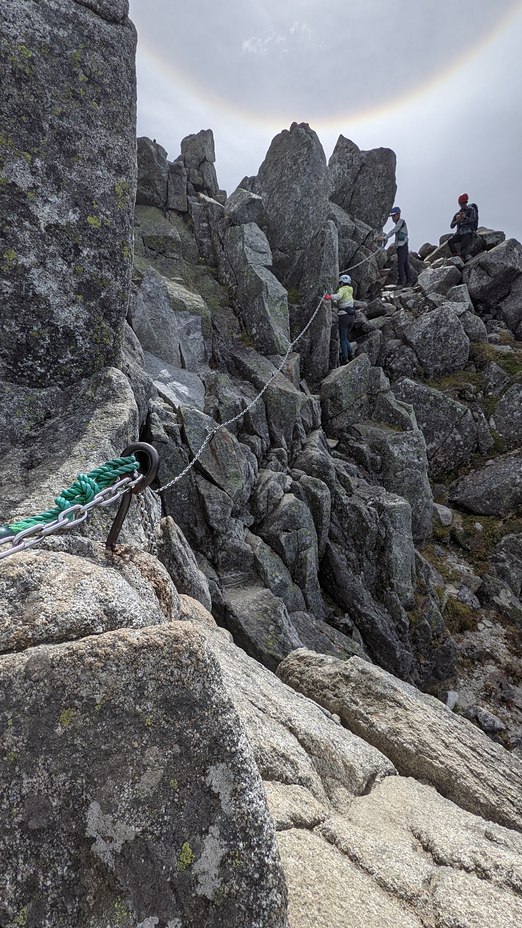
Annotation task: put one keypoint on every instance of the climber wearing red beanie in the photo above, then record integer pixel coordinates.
(466, 221)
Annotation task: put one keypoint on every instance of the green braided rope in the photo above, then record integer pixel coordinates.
(83, 490)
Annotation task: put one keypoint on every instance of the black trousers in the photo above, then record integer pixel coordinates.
(403, 265)
(464, 240)
(346, 322)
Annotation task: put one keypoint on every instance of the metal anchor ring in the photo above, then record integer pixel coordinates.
(147, 457)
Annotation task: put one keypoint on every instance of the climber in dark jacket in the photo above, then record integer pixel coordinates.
(466, 222)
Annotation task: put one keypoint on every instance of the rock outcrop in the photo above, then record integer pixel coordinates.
(67, 149)
(354, 528)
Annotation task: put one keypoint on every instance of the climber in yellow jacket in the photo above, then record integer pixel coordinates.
(345, 314)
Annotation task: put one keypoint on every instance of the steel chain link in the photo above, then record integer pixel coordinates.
(13, 544)
(73, 516)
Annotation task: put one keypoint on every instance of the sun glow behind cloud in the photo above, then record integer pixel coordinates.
(449, 127)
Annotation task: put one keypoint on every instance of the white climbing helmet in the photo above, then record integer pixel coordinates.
(345, 279)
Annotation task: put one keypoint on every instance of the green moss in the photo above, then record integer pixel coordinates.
(484, 353)
(445, 569)
(8, 260)
(441, 533)
(94, 222)
(218, 896)
(481, 534)
(121, 913)
(457, 381)
(66, 717)
(20, 920)
(272, 640)
(293, 295)
(246, 339)
(122, 191)
(185, 857)
(24, 52)
(149, 722)
(458, 617)
(11, 757)
(173, 783)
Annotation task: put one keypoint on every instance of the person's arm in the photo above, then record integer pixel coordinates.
(457, 219)
(396, 228)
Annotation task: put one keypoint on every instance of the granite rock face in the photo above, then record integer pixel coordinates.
(361, 844)
(296, 501)
(68, 147)
(160, 821)
(495, 489)
(293, 185)
(422, 737)
(363, 182)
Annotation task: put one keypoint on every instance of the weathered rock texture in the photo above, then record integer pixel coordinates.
(360, 844)
(418, 733)
(311, 518)
(67, 162)
(159, 821)
(363, 182)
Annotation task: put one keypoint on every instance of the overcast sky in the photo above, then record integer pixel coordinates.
(438, 81)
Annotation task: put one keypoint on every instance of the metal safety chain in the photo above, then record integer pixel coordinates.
(278, 370)
(124, 487)
(69, 518)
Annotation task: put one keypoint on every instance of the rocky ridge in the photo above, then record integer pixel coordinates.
(357, 529)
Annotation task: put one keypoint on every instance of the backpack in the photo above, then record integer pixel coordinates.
(402, 236)
(474, 219)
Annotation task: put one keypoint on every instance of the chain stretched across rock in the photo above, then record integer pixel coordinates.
(119, 478)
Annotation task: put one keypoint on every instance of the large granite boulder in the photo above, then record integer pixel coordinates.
(124, 763)
(493, 490)
(368, 570)
(507, 562)
(290, 413)
(261, 300)
(153, 170)
(293, 184)
(508, 416)
(68, 163)
(74, 432)
(400, 464)
(178, 558)
(448, 426)
(171, 321)
(439, 341)
(363, 182)
(361, 845)
(440, 279)
(317, 274)
(345, 395)
(494, 280)
(290, 531)
(260, 624)
(198, 155)
(417, 732)
(359, 251)
(243, 206)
